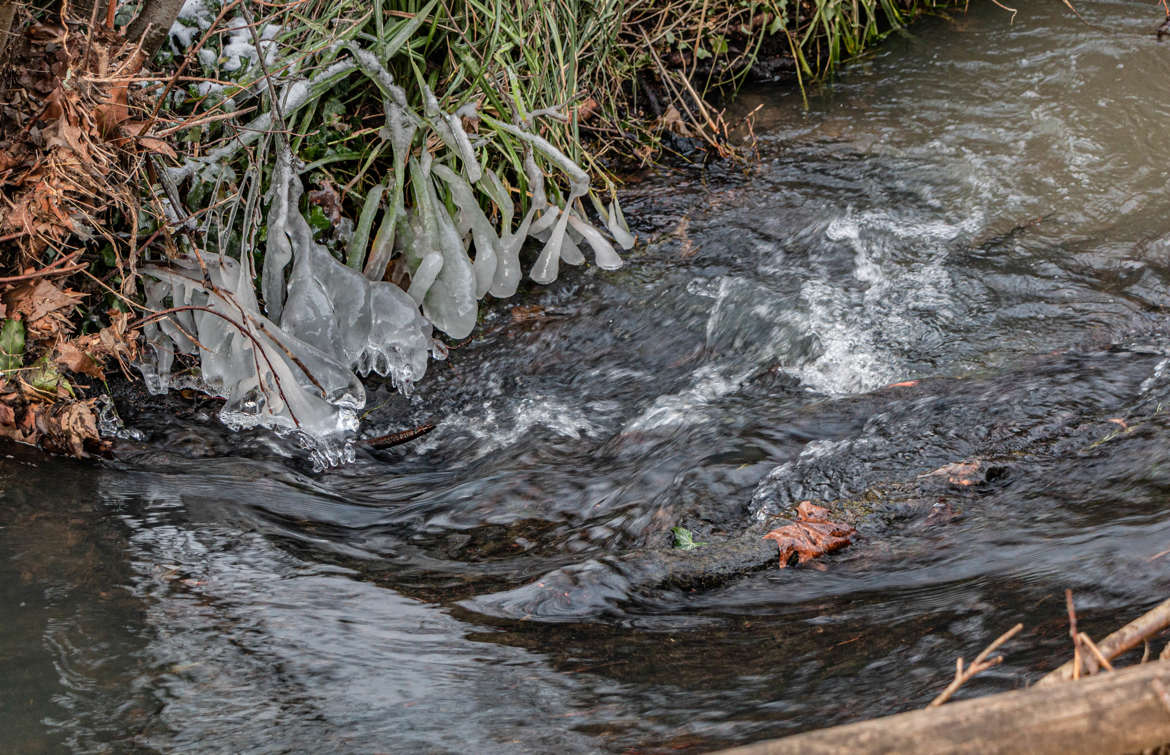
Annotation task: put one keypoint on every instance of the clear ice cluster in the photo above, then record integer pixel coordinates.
(291, 367)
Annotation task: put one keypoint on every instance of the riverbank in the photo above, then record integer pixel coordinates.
(153, 165)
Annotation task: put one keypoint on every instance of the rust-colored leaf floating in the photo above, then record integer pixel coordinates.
(812, 534)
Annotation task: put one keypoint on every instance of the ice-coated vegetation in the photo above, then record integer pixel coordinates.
(289, 359)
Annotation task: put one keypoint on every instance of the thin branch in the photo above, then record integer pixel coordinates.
(979, 665)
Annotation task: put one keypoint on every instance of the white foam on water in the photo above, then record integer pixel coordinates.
(836, 335)
(865, 332)
(497, 424)
(711, 383)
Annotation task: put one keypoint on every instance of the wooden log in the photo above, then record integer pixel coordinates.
(1129, 636)
(1116, 712)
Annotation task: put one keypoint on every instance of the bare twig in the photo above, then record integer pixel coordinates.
(1013, 11)
(1087, 642)
(1078, 658)
(979, 665)
(395, 439)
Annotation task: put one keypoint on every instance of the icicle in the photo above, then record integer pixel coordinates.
(359, 242)
(424, 276)
(450, 301)
(278, 249)
(578, 179)
(570, 252)
(604, 254)
(546, 221)
(383, 248)
(616, 225)
(545, 269)
(507, 278)
(471, 218)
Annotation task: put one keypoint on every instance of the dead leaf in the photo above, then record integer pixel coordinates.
(112, 113)
(672, 120)
(586, 109)
(113, 341)
(42, 306)
(960, 473)
(811, 535)
(37, 298)
(74, 359)
(151, 144)
(688, 249)
(528, 313)
(68, 427)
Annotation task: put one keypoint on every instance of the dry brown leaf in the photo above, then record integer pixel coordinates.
(135, 128)
(328, 200)
(961, 473)
(672, 120)
(42, 306)
(36, 298)
(71, 358)
(812, 534)
(114, 340)
(151, 144)
(112, 113)
(528, 313)
(586, 109)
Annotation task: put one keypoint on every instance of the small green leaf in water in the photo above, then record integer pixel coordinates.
(683, 539)
(11, 345)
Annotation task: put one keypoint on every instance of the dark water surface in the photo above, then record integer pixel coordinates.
(984, 209)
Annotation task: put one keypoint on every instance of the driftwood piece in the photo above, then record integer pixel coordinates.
(1125, 711)
(1129, 636)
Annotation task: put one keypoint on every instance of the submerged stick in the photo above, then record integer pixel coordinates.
(397, 439)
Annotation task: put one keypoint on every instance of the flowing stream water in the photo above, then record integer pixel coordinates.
(982, 208)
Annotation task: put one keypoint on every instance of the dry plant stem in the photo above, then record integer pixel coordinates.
(56, 268)
(1129, 636)
(1072, 631)
(1013, 11)
(977, 666)
(1087, 642)
(1076, 12)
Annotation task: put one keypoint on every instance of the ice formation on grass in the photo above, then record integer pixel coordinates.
(292, 367)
